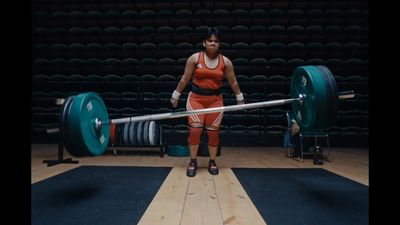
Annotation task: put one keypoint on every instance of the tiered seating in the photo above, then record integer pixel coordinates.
(134, 53)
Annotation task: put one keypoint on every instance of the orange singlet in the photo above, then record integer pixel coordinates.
(206, 78)
(209, 78)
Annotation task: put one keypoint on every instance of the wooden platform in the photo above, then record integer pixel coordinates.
(206, 199)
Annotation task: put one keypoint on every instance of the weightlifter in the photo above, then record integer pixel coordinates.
(208, 69)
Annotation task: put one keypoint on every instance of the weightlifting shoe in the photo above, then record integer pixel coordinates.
(191, 170)
(212, 168)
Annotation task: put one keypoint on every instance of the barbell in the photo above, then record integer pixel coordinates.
(85, 125)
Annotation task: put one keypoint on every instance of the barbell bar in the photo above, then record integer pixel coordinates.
(173, 115)
(85, 126)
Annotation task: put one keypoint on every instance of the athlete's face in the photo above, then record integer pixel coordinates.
(211, 43)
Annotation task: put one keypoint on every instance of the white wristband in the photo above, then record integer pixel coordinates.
(240, 97)
(175, 95)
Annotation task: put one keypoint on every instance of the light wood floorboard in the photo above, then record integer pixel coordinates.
(205, 199)
(349, 163)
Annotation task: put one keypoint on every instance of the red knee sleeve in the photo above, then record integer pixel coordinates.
(213, 137)
(194, 135)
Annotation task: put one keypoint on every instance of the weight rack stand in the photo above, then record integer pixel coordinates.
(60, 152)
(113, 150)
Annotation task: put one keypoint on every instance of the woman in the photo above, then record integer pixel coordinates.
(208, 68)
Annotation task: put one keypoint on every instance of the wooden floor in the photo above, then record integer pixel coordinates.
(206, 199)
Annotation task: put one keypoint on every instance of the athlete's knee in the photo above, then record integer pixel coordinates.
(213, 137)
(194, 134)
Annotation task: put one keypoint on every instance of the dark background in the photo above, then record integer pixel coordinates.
(133, 54)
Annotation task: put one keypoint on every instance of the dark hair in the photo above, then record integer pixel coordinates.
(211, 31)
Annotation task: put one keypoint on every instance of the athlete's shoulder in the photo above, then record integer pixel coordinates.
(194, 57)
(227, 61)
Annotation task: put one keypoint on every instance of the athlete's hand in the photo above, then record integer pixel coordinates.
(174, 103)
(175, 98)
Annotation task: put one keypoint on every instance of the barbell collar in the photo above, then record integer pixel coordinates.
(59, 101)
(346, 94)
(341, 95)
(98, 124)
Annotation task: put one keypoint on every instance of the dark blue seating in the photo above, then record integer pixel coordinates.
(143, 46)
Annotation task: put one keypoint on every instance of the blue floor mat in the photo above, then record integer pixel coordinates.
(305, 196)
(100, 195)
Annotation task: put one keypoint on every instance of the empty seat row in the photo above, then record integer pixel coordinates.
(98, 73)
(172, 66)
(164, 78)
(182, 61)
(167, 13)
(193, 22)
(122, 5)
(186, 45)
(351, 79)
(185, 49)
(194, 37)
(103, 72)
(129, 30)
